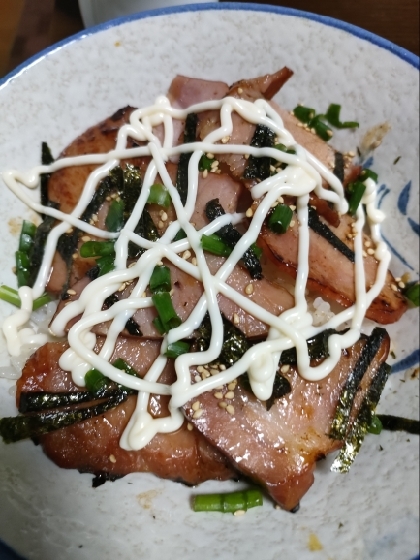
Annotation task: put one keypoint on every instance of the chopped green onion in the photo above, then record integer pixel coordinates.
(159, 195)
(356, 190)
(159, 326)
(28, 228)
(105, 265)
(205, 163)
(280, 218)
(368, 174)
(97, 249)
(180, 235)
(283, 148)
(11, 296)
(22, 269)
(121, 364)
(27, 234)
(160, 281)
(333, 116)
(115, 219)
(95, 381)
(177, 349)
(163, 303)
(321, 128)
(304, 114)
(412, 292)
(257, 250)
(375, 426)
(215, 245)
(228, 503)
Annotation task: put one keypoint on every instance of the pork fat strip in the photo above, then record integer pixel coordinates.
(331, 273)
(278, 448)
(92, 445)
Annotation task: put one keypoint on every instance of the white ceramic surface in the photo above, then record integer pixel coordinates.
(373, 512)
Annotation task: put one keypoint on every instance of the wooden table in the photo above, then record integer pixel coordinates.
(28, 26)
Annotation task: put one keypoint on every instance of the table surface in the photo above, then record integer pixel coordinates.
(28, 26)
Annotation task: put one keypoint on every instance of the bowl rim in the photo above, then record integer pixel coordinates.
(363, 34)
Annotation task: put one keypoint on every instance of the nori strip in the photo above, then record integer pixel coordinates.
(111, 184)
(324, 231)
(354, 440)
(38, 247)
(147, 229)
(36, 401)
(131, 188)
(339, 166)
(281, 387)
(341, 419)
(231, 236)
(317, 348)
(398, 424)
(190, 134)
(131, 325)
(67, 246)
(259, 167)
(23, 427)
(93, 273)
(103, 477)
(46, 159)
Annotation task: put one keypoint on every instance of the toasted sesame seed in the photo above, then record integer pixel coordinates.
(164, 216)
(71, 292)
(205, 374)
(230, 395)
(368, 243)
(196, 406)
(108, 199)
(285, 368)
(222, 367)
(215, 164)
(240, 90)
(329, 133)
(210, 155)
(190, 427)
(249, 290)
(218, 395)
(220, 388)
(132, 264)
(231, 386)
(401, 285)
(143, 294)
(371, 251)
(280, 200)
(112, 459)
(205, 173)
(186, 255)
(246, 156)
(86, 238)
(223, 404)
(235, 319)
(352, 154)
(114, 195)
(194, 261)
(313, 131)
(214, 371)
(300, 125)
(249, 213)
(75, 255)
(364, 254)
(397, 279)
(406, 277)
(239, 513)
(274, 204)
(122, 287)
(197, 379)
(292, 223)
(230, 408)
(272, 169)
(95, 217)
(394, 288)
(70, 230)
(161, 224)
(200, 369)
(225, 139)
(198, 414)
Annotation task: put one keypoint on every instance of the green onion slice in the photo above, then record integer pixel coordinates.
(215, 245)
(177, 349)
(160, 281)
(95, 381)
(412, 292)
(159, 326)
(97, 249)
(22, 269)
(280, 218)
(180, 235)
(304, 114)
(205, 163)
(356, 190)
(375, 426)
(115, 218)
(228, 503)
(368, 174)
(283, 148)
(159, 195)
(333, 117)
(11, 296)
(321, 128)
(163, 303)
(105, 265)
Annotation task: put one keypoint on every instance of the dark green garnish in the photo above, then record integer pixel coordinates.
(280, 218)
(11, 296)
(281, 387)
(190, 134)
(304, 114)
(105, 265)
(167, 314)
(355, 192)
(133, 327)
(159, 195)
(27, 235)
(115, 219)
(259, 167)
(412, 293)
(398, 424)
(228, 503)
(339, 166)
(341, 419)
(375, 427)
(160, 281)
(322, 229)
(159, 326)
(95, 381)
(214, 244)
(368, 174)
(231, 237)
(177, 349)
(22, 269)
(284, 149)
(317, 348)
(205, 163)
(121, 364)
(180, 235)
(321, 128)
(333, 117)
(147, 229)
(97, 249)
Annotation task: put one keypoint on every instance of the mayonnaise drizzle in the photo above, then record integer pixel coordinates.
(304, 174)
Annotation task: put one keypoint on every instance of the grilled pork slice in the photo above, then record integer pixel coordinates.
(331, 272)
(278, 448)
(93, 445)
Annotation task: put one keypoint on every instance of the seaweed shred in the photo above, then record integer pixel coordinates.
(354, 440)
(131, 325)
(317, 347)
(341, 419)
(67, 246)
(231, 236)
(324, 231)
(399, 424)
(46, 159)
(259, 167)
(111, 184)
(38, 247)
(281, 387)
(36, 401)
(339, 166)
(190, 134)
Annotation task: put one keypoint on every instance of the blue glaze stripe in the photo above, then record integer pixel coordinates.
(7, 553)
(397, 254)
(408, 362)
(399, 52)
